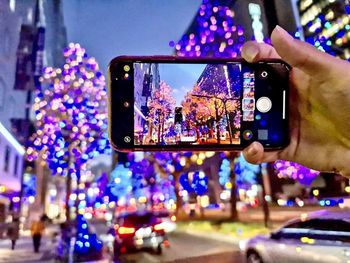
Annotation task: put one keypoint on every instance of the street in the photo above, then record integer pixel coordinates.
(183, 248)
(189, 248)
(24, 251)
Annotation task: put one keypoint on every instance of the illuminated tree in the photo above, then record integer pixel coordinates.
(161, 107)
(71, 116)
(287, 169)
(215, 99)
(212, 33)
(171, 166)
(195, 109)
(119, 187)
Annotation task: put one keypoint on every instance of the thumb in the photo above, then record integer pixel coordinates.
(300, 54)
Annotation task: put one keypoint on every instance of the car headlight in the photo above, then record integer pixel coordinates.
(243, 245)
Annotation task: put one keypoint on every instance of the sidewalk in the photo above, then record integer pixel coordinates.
(24, 251)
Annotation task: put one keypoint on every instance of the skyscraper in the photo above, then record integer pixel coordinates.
(326, 25)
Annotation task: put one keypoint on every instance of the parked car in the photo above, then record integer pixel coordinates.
(139, 230)
(321, 236)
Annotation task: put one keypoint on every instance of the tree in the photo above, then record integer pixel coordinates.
(287, 169)
(213, 32)
(215, 98)
(236, 172)
(119, 187)
(171, 164)
(160, 109)
(71, 116)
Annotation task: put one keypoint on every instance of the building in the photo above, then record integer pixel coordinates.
(326, 25)
(33, 36)
(146, 80)
(11, 170)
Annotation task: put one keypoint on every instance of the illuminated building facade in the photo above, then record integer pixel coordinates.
(326, 24)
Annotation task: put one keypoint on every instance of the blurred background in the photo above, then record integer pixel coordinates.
(56, 162)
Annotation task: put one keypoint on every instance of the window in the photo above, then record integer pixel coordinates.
(321, 229)
(16, 167)
(7, 158)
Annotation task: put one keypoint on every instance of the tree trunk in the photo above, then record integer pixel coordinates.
(68, 192)
(177, 193)
(265, 205)
(233, 200)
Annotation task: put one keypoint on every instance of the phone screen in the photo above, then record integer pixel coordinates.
(194, 104)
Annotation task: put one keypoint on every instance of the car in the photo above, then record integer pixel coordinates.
(168, 221)
(322, 236)
(139, 230)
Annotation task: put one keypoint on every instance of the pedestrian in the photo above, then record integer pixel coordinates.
(37, 230)
(13, 232)
(319, 106)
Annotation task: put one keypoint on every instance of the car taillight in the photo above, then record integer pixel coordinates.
(126, 230)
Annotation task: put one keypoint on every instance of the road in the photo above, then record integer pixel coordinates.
(184, 248)
(188, 248)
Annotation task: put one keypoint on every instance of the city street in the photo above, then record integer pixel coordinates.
(190, 248)
(183, 248)
(130, 131)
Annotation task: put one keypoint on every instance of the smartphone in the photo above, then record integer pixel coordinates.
(166, 103)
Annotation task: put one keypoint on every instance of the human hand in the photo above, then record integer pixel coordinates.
(319, 105)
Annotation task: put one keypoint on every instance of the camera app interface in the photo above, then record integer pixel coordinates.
(191, 103)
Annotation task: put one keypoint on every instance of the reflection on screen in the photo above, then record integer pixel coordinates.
(191, 103)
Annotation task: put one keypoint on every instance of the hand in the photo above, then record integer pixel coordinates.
(319, 105)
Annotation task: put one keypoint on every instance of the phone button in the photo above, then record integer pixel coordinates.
(263, 104)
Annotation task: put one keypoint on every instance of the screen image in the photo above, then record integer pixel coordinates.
(183, 103)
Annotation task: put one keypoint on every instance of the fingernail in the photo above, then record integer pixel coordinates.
(250, 51)
(282, 33)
